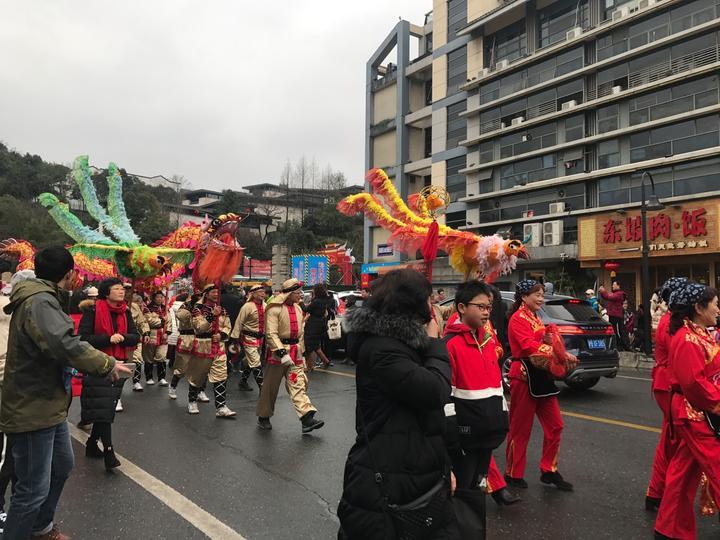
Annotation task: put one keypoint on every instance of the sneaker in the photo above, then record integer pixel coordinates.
(150, 382)
(519, 483)
(119, 407)
(193, 408)
(557, 479)
(163, 382)
(137, 387)
(309, 422)
(224, 412)
(504, 497)
(243, 386)
(172, 393)
(264, 423)
(3, 518)
(111, 461)
(202, 397)
(54, 534)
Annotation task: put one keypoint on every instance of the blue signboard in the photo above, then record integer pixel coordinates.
(299, 267)
(317, 269)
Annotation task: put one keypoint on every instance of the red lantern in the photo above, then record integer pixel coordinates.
(613, 267)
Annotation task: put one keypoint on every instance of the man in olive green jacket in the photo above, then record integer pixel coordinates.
(42, 349)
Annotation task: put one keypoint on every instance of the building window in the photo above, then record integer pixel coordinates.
(427, 132)
(607, 119)
(509, 44)
(560, 17)
(486, 152)
(679, 99)
(530, 170)
(456, 219)
(696, 177)
(455, 181)
(522, 142)
(457, 17)
(574, 128)
(678, 138)
(456, 124)
(457, 69)
(608, 154)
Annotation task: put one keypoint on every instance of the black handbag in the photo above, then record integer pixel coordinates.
(540, 382)
(419, 519)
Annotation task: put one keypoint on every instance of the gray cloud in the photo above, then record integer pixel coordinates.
(222, 92)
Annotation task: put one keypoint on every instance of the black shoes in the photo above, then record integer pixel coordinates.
(309, 422)
(556, 479)
(92, 450)
(652, 504)
(110, 460)
(519, 483)
(505, 497)
(243, 386)
(264, 423)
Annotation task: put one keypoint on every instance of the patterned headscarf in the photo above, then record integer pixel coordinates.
(689, 295)
(671, 285)
(525, 286)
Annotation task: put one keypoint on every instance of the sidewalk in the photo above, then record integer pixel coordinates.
(637, 361)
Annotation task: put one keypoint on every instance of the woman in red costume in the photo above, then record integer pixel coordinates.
(694, 370)
(661, 390)
(538, 358)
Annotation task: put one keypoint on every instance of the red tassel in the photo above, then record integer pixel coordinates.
(430, 247)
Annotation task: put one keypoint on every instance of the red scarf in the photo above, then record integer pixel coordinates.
(104, 326)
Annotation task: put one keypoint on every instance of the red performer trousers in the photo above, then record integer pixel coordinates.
(698, 450)
(523, 408)
(495, 479)
(665, 449)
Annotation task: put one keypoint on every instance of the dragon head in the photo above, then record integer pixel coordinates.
(515, 248)
(220, 232)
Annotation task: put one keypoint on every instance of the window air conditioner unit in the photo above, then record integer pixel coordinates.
(532, 234)
(557, 208)
(620, 13)
(575, 32)
(569, 105)
(517, 121)
(526, 138)
(502, 64)
(552, 233)
(528, 213)
(616, 89)
(484, 72)
(503, 125)
(643, 4)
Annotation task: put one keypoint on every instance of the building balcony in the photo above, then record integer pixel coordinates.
(420, 167)
(421, 118)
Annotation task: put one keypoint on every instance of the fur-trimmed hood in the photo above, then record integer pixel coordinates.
(86, 305)
(367, 321)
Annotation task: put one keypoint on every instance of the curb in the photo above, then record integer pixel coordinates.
(636, 361)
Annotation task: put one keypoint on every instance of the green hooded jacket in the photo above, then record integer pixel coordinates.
(41, 345)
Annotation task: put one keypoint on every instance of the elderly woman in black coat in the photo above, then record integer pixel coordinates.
(403, 384)
(107, 326)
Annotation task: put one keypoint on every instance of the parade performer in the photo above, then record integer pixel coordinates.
(154, 349)
(136, 311)
(694, 370)
(661, 390)
(284, 342)
(209, 361)
(538, 358)
(185, 344)
(249, 330)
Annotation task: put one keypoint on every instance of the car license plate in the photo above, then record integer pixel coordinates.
(596, 344)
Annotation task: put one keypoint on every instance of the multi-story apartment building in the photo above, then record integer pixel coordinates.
(545, 114)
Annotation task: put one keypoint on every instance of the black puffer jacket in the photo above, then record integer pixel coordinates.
(403, 383)
(99, 394)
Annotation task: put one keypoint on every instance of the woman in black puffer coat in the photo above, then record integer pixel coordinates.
(403, 384)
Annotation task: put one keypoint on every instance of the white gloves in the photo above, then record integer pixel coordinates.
(286, 360)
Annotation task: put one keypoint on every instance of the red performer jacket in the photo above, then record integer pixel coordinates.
(694, 369)
(525, 335)
(660, 377)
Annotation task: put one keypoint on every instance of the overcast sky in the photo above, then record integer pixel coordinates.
(221, 92)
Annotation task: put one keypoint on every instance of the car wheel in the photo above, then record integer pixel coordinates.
(583, 384)
(505, 368)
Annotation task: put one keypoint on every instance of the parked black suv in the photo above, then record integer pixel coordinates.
(586, 335)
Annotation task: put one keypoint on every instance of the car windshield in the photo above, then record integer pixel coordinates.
(571, 310)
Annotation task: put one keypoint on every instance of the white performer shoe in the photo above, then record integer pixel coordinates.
(137, 387)
(202, 397)
(163, 382)
(193, 408)
(224, 412)
(119, 407)
(172, 393)
(150, 382)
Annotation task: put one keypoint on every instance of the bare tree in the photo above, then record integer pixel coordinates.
(302, 176)
(314, 173)
(285, 180)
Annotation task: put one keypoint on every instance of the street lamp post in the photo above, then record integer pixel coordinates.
(652, 204)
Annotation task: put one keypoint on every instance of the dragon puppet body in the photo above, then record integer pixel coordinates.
(486, 257)
(210, 249)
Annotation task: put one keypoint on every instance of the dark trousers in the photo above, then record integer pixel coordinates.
(7, 469)
(43, 462)
(471, 467)
(618, 325)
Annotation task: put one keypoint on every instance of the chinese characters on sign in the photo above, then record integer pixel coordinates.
(693, 225)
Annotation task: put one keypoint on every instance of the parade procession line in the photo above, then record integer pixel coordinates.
(598, 419)
(181, 505)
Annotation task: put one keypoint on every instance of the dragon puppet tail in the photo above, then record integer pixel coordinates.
(20, 250)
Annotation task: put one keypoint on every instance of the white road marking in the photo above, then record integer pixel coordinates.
(633, 378)
(178, 503)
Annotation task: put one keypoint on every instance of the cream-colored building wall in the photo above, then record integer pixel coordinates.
(440, 23)
(417, 96)
(384, 154)
(439, 130)
(438, 174)
(378, 235)
(474, 57)
(478, 8)
(416, 150)
(384, 104)
(439, 74)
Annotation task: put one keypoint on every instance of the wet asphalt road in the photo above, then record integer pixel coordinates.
(281, 485)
